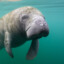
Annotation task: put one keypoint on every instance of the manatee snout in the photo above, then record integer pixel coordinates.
(39, 28)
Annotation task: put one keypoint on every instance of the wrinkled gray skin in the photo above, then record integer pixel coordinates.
(21, 25)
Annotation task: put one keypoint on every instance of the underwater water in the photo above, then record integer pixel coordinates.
(51, 48)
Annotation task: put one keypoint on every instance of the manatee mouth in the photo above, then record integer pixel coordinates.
(33, 35)
(40, 35)
(45, 33)
(28, 28)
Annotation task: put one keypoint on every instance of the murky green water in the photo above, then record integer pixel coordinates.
(51, 48)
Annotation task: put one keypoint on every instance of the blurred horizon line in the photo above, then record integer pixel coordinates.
(10, 0)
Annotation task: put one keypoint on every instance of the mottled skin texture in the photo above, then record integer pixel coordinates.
(11, 23)
(21, 25)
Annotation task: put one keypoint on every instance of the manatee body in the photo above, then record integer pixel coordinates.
(21, 25)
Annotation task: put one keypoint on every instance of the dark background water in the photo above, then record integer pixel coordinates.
(51, 48)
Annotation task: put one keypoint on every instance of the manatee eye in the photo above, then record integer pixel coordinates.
(25, 17)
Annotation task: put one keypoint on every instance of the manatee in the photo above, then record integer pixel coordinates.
(21, 25)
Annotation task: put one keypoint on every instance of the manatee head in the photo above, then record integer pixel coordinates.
(35, 25)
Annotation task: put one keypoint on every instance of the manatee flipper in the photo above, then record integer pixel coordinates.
(33, 49)
(7, 44)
